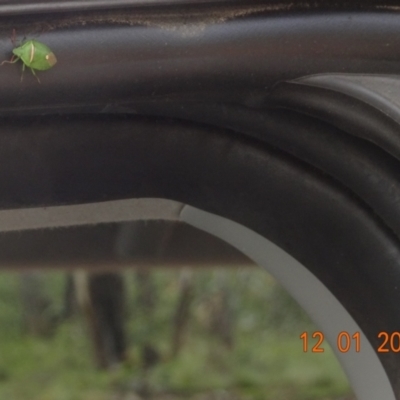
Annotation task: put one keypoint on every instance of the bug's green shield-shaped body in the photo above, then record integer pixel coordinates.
(35, 55)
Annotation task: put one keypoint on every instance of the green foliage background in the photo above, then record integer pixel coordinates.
(267, 361)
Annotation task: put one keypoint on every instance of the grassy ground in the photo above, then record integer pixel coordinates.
(266, 362)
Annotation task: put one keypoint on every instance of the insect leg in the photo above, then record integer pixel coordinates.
(34, 73)
(23, 69)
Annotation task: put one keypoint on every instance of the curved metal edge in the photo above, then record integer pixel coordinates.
(364, 370)
(379, 91)
(62, 6)
(350, 106)
(9, 7)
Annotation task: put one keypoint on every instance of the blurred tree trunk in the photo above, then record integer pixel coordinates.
(146, 303)
(102, 299)
(182, 312)
(147, 291)
(222, 311)
(36, 317)
(70, 300)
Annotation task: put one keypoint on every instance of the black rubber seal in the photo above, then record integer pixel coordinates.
(306, 213)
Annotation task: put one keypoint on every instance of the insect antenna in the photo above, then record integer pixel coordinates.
(13, 60)
(13, 37)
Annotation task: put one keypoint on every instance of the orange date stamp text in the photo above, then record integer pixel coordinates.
(390, 342)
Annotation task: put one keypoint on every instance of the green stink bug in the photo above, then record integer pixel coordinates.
(34, 55)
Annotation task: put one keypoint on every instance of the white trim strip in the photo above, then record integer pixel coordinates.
(88, 214)
(364, 370)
